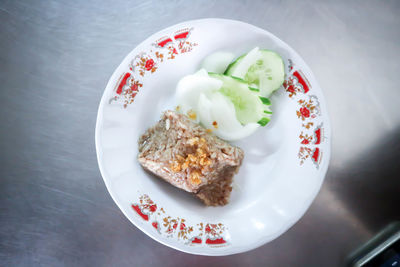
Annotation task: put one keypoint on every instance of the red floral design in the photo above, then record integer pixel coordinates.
(309, 108)
(165, 48)
(213, 234)
(147, 204)
(186, 46)
(149, 64)
(131, 91)
(291, 86)
(305, 142)
(305, 112)
(314, 139)
(298, 85)
(126, 90)
(214, 229)
(170, 224)
(153, 208)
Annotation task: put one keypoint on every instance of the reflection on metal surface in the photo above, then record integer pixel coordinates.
(371, 186)
(332, 203)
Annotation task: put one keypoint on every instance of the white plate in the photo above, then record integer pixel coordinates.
(285, 162)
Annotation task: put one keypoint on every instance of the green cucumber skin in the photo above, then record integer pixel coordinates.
(238, 79)
(264, 121)
(230, 66)
(265, 101)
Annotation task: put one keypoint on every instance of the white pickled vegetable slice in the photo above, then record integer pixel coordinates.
(190, 87)
(217, 113)
(243, 64)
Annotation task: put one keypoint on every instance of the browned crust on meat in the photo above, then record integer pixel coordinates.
(184, 154)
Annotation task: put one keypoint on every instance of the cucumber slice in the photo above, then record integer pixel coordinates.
(241, 66)
(217, 62)
(265, 101)
(248, 106)
(231, 67)
(261, 68)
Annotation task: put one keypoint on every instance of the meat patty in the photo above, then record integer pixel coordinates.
(187, 156)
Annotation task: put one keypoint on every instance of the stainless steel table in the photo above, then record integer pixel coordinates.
(55, 60)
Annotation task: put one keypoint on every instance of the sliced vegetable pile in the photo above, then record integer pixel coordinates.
(231, 99)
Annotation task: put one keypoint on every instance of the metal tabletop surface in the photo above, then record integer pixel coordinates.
(55, 61)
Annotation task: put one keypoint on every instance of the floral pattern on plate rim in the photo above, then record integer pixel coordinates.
(148, 62)
(201, 234)
(312, 135)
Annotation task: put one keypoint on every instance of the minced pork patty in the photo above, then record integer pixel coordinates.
(187, 156)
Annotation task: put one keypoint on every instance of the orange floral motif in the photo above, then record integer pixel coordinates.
(305, 138)
(170, 224)
(307, 125)
(131, 92)
(291, 87)
(126, 89)
(144, 63)
(304, 153)
(172, 52)
(147, 204)
(307, 152)
(309, 108)
(186, 46)
(184, 230)
(200, 226)
(214, 229)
